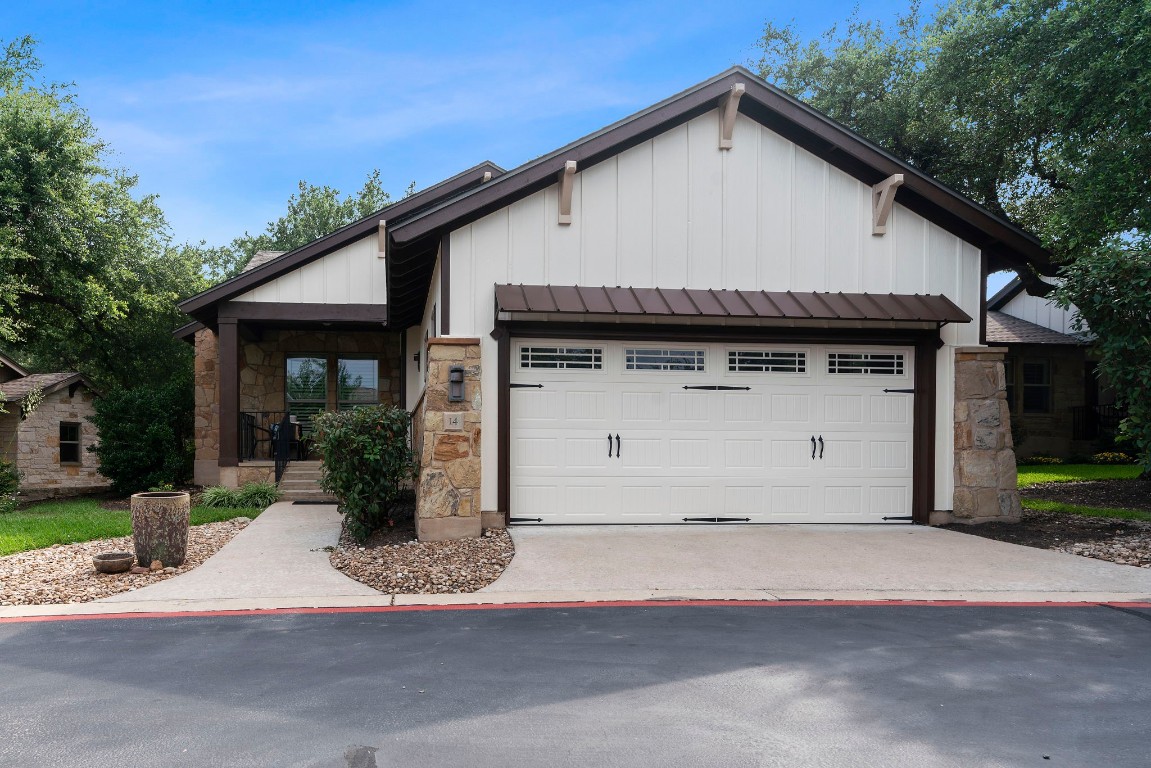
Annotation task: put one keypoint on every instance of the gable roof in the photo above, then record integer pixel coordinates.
(1005, 294)
(1003, 328)
(15, 390)
(7, 362)
(1007, 245)
(202, 305)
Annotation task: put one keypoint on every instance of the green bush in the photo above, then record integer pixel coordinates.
(146, 435)
(258, 495)
(367, 463)
(217, 496)
(1112, 457)
(9, 486)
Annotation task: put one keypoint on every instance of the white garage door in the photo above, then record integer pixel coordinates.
(645, 432)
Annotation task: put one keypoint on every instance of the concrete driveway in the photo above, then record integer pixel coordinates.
(801, 562)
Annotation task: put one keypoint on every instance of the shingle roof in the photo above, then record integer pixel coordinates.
(260, 258)
(1003, 328)
(16, 389)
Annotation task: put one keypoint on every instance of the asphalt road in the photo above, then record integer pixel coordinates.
(628, 686)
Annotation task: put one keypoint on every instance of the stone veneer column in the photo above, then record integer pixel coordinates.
(985, 476)
(448, 488)
(207, 425)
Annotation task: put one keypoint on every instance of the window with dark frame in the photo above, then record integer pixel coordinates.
(1036, 386)
(1009, 377)
(69, 442)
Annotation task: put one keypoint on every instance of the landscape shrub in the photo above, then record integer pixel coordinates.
(258, 495)
(368, 463)
(146, 435)
(9, 486)
(1112, 457)
(218, 496)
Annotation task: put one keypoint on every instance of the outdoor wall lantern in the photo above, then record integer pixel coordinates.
(456, 384)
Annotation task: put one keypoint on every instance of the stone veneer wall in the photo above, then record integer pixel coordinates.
(207, 424)
(985, 476)
(38, 448)
(448, 489)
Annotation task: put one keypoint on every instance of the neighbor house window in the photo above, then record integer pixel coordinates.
(1036, 386)
(358, 383)
(69, 442)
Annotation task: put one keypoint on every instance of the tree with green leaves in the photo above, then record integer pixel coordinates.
(1037, 109)
(313, 212)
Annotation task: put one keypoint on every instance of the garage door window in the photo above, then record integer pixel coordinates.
(561, 358)
(664, 359)
(865, 363)
(766, 361)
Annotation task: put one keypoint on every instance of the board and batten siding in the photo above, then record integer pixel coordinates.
(353, 274)
(1041, 311)
(675, 211)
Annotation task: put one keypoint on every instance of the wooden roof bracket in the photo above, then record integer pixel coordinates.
(381, 249)
(728, 108)
(567, 179)
(882, 201)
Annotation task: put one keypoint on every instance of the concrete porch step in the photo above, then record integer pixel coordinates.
(301, 494)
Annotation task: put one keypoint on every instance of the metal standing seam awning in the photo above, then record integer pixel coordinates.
(694, 302)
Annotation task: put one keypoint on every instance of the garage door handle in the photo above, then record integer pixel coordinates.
(813, 447)
(617, 446)
(821, 446)
(609, 445)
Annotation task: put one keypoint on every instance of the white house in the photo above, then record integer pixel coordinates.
(726, 308)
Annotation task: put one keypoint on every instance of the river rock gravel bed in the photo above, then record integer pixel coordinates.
(64, 574)
(1127, 542)
(394, 562)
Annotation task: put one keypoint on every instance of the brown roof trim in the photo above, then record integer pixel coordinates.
(201, 303)
(188, 330)
(361, 314)
(8, 362)
(18, 388)
(1007, 243)
(1005, 294)
(694, 302)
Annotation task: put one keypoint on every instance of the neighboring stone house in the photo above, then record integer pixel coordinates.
(1059, 404)
(725, 308)
(49, 445)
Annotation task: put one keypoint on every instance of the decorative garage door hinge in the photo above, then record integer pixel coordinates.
(905, 391)
(717, 519)
(905, 517)
(717, 387)
(526, 386)
(525, 519)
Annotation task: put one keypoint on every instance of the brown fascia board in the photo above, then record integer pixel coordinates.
(8, 362)
(187, 332)
(201, 304)
(1010, 245)
(1005, 294)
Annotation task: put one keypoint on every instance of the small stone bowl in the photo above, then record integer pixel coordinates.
(113, 562)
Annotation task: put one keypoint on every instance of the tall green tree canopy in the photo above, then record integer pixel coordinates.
(1040, 110)
(87, 279)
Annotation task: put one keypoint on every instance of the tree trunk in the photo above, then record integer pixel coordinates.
(160, 527)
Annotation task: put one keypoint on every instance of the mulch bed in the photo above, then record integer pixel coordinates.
(395, 562)
(1127, 542)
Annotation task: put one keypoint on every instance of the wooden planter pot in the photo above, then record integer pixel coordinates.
(160, 527)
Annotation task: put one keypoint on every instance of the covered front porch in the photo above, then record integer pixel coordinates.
(261, 380)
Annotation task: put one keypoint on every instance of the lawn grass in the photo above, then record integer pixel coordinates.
(72, 521)
(1062, 473)
(1043, 505)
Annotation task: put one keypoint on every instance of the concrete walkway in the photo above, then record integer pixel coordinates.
(279, 556)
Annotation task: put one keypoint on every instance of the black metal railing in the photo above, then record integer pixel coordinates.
(283, 435)
(257, 429)
(1091, 422)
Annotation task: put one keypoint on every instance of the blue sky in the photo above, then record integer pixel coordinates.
(222, 107)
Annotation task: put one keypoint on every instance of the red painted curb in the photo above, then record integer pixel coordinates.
(607, 604)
